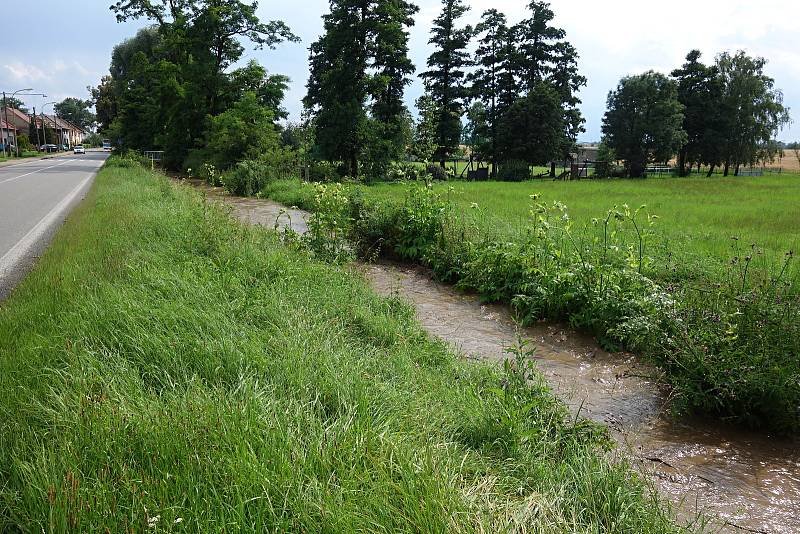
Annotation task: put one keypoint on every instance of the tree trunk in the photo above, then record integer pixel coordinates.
(636, 169)
(726, 168)
(682, 162)
(710, 171)
(736, 170)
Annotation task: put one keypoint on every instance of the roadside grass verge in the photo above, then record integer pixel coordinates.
(166, 369)
(727, 334)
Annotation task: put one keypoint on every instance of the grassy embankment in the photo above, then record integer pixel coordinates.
(720, 316)
(165, 368)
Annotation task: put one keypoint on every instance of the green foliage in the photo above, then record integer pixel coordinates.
(514, 170)
(420, 222)
(644, 121)
(446, 76)
(238, 382)
(244, 131)
(493, 68)
(752, 108)
(726, 339)
(329, 223)
(250, 177)
(437, 172)
(76, 111)
(423, 143)
(477, 132)
(128, 159)
(169, 81)
(531, 129)
(700, 91)
(16, 103)
(401, 172)
(269, 89)
(93, 140)
(361, 57)
(24, 142)
(209, 174)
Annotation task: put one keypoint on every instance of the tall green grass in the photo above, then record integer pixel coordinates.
(698, 215)
(165, 369)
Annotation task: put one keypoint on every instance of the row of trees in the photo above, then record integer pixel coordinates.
(721, 115)
(521, 82)
(171, 87)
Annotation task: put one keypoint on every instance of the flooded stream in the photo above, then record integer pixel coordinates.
(751, 482)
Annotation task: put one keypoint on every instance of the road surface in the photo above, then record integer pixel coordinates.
(35, 197)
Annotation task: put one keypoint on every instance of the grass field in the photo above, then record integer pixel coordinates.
(697, 216)
(166, 369)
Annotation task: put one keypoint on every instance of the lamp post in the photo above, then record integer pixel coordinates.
(44, 124)
(5, 118)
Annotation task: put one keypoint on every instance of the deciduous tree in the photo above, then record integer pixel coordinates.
(77, 112)
(16, 103)
(753, 110)
(531, 130)
(700, 91)
(644, 121)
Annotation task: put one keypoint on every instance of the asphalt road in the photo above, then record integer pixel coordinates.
(35, 197)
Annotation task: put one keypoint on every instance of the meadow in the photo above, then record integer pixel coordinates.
(166, 369)
(697, 216)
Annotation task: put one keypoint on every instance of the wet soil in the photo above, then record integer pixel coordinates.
(748, 482)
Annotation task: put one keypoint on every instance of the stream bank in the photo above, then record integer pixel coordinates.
(751, 482)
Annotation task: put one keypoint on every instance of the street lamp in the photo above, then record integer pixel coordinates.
(5, 119)
(44, 125)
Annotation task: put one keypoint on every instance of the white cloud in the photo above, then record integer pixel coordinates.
(23, 73)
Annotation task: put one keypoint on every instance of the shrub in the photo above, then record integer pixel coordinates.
(323, 171)
(24, 143)
(209, 173)
(195, 160)
(128, 160)
(402, 171)
(436, 172)
(514, 171)
(248, 177)
(329, 223)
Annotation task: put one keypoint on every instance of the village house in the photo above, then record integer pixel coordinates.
(7, 134)
(19, 124)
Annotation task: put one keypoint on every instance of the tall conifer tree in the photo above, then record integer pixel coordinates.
(445, 76)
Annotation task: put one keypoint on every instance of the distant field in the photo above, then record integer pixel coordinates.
(788, 162)
(697, 216)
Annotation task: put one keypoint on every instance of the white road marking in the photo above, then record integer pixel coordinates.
(33, 172)
(18, 251)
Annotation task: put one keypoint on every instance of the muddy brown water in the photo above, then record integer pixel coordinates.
(745, 482)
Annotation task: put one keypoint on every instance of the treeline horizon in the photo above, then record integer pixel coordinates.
(512, 99)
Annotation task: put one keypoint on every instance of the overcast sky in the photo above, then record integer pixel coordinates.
(61, 47)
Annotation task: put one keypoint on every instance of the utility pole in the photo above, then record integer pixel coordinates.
(44, 125)
(5, 119)
(35, 127)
